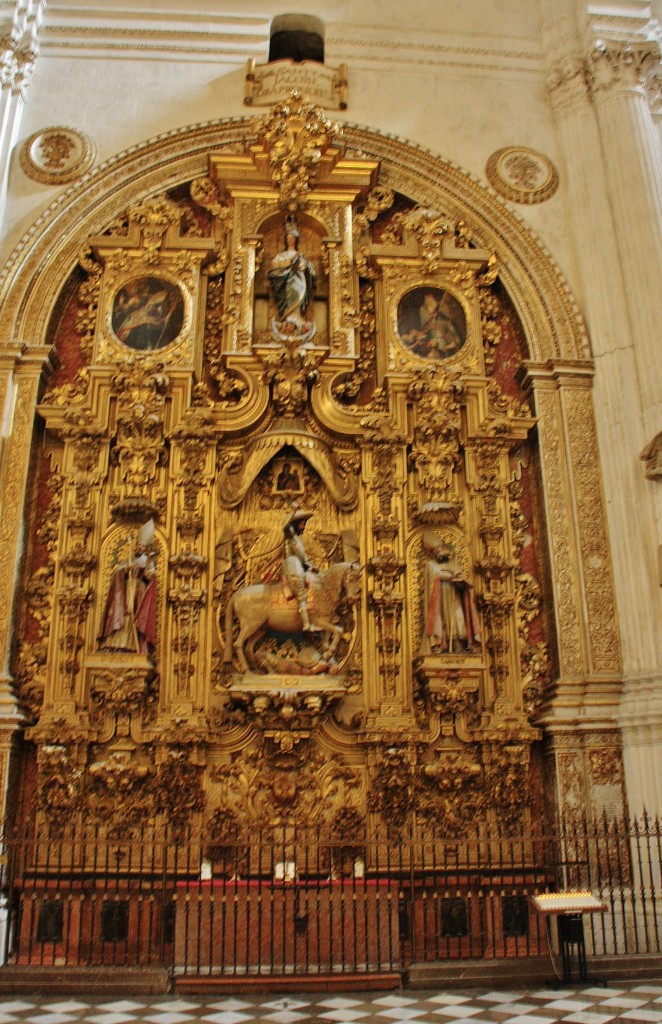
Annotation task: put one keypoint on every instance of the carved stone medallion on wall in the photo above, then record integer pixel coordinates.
(522, 175)
(55, 156)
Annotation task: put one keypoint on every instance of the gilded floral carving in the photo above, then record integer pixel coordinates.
(120, 794)
(31, 663)
(560, 534)
(59, 786)
(458, 800)
(155, 217)
(603, 632)
(140, 445)
(296, 134)
(435, 451)
(290, 374)
(606, 766)
(178, 792)
(393, 786)
(506, 778)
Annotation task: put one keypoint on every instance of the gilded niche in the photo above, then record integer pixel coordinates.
(287, 567)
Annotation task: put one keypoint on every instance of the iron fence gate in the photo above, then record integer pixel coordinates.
(297, 901)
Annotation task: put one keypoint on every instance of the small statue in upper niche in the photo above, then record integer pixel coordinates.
(450, 618)
(292, 283)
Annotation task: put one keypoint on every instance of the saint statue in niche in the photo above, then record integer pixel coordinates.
(431, 323)
(295, 563)
(292, 283)
(128, 624)
(148, 313)
(450, 624)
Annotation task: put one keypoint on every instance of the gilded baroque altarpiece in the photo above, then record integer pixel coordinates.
(285, 565)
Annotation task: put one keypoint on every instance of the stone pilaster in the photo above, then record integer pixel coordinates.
(587, 630)
(580, 715)
(19, 385)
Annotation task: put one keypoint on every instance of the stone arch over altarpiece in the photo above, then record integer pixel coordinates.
(558, 373)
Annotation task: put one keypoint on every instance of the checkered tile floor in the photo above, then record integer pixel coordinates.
(636, 1004)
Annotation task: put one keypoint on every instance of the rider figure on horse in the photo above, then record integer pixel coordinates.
(295, 563)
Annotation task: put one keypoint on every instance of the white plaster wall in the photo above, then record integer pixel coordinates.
(460, 78)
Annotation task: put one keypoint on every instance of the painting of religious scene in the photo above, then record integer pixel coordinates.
(148, 313)
(431, 323)
(287, 478)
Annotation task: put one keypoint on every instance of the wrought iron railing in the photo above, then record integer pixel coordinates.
(293, 901)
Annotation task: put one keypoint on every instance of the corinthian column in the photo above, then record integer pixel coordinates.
(603, 179)
(618, 75)
(617, 78)
(18, 53)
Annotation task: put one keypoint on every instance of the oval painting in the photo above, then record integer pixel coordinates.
(148, 313)
(431, 323)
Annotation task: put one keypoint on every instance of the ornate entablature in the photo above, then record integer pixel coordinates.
(286, 546)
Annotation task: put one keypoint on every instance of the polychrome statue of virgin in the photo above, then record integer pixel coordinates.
(292, 283)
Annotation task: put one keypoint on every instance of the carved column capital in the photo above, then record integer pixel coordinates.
(556, 374)
(616, 67)
(567, 83)
(652, 456)
(17, 64)
(19, 47)
(653, 87)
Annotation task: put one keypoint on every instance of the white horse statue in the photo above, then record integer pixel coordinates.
(272, 606)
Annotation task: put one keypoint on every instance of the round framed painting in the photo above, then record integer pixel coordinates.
(431, 323)
(147, 313)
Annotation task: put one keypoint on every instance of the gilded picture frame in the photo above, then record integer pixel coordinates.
(147, 313)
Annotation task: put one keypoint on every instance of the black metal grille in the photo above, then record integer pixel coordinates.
(291, 901)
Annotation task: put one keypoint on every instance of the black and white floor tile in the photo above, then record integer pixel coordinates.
(632, 1004)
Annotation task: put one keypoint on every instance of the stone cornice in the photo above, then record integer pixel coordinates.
(100, 30)
(629, 21)
(374, 48)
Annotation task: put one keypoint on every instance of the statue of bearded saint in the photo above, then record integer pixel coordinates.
(450, 619)
(292, 282)
(129, 618)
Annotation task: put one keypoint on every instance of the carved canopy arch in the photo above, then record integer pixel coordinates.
(43, 259)
(236, 479)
